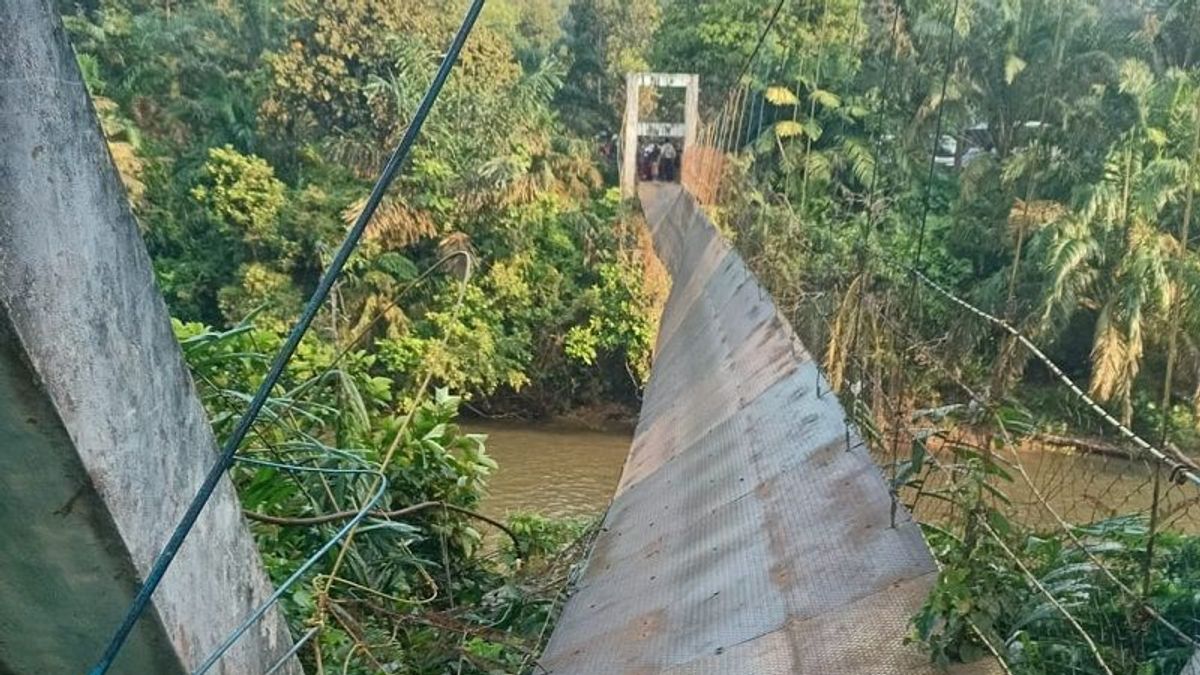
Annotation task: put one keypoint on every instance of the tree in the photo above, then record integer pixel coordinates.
(1115, 254)
(333, 49)
(606, 40)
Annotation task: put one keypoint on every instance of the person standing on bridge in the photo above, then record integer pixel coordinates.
(649, 151)
(669, 157)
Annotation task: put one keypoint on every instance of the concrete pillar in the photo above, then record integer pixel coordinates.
(629, 136)
(691, 111)
(687, 132)
(102, 439)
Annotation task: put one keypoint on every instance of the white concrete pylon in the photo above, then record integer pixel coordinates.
(103, 441)
(633, 127)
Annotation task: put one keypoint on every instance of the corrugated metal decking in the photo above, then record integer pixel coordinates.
(750, 531)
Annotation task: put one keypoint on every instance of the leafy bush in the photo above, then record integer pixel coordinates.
(414, 592)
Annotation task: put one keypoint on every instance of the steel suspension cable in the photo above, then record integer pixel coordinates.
(361, 513)
(788, 167)
(1180, 468)
(1173, 321)
(812, 107)
(762, 38)
(1001, 372)
(713, 173)
(142, 601)
(1031, 186)
(1037, 585)
(762, 100)
(732, 92)
(1045, 503)
(877, 145)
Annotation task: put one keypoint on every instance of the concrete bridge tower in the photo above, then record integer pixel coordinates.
(633, 127)
(102, 439)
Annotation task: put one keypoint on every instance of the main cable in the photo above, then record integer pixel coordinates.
(723, 121)
(357, 517)
(897, 374)
(872, 189)
(228, 452)
(762, 38)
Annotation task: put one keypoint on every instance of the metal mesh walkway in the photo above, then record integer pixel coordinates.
(751, 531)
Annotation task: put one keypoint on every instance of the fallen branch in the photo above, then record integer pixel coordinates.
(1096, 447)
(1092, 447)
(446, 622)
(385, 515)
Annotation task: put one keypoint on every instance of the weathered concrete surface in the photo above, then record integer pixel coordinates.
(102, 439)
(750, 532)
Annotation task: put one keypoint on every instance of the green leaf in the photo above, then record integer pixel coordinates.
(813, 128)
(400, 267)
(435, 433)
(995, 492)
(827, 99)
(1136, 78)
(999, 523)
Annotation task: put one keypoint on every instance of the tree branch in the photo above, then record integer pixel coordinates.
(385, 515)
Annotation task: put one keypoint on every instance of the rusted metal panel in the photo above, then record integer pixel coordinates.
(751, 531)
(685, 290)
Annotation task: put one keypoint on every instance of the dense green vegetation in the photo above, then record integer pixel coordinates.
(1063, 201)
(419, 589)
(1066, 214)
(248, 134)
(501, 267)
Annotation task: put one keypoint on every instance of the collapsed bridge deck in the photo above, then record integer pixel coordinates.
(751, 531)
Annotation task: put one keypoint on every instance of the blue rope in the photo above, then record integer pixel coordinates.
(163, 562)
(292, 468)
(296, 647)
(257, 614)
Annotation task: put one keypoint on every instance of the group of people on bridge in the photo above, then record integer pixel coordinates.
(658, 161)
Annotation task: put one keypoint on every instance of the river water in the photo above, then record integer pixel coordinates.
(1049, 484)
(557, 469)
(562, 469)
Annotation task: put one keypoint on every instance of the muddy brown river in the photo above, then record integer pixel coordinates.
(563, 469)
(557, 469)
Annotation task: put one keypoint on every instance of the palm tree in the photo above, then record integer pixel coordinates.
(1118, 253)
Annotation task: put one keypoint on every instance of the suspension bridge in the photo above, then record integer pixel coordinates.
(753, 530)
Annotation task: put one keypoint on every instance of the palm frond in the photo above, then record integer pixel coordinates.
(781, 96)
(395, 224)
(861, 159)
(1110, 354)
